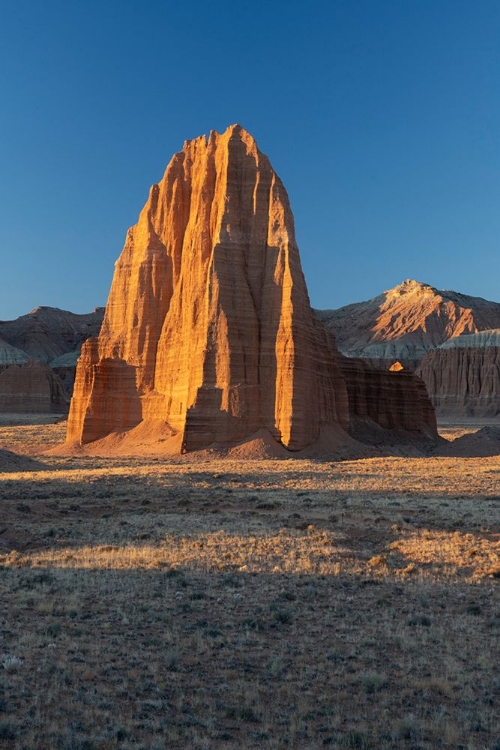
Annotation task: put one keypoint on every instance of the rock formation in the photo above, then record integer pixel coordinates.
(9, 355)
(47, 332)
(463, 375)
(31, 387)
(49, 335)
(404, 323)
(394, 400)
(208, 329)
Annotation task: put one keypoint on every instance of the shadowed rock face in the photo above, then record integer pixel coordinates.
(31, 387)
(394, 400)
(208, 325)
(463, 376)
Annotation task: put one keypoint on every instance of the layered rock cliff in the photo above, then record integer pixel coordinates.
(394, 400)
(208, 329)
(406, 322)
(31, 387)
(463, 375)
(9, 355)
(50, 335)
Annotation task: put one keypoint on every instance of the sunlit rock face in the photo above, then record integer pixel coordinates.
(208, 325)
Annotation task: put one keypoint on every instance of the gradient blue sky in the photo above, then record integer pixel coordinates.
(381, 117)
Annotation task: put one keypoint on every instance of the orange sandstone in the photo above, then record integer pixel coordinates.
(208, 325)
(208, 336)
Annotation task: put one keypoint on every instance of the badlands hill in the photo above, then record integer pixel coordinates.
(10, 355)
(46, 333)
(38, 354)
(208, 337)
(406, 322)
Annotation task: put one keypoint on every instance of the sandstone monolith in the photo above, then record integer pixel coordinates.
(208, 324)
(208, 336)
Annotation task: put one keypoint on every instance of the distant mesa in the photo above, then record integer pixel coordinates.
(45, 335)
(463, 375)
(209, 339)
(451, 340)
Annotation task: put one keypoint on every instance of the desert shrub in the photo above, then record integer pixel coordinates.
(373, 683)
(422, 620)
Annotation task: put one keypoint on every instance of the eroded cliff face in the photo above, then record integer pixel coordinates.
(208, 325)
(31, 387)
(395, 400)
(463, 376)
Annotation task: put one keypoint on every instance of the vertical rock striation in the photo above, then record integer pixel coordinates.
(463, 375)
(208, 325)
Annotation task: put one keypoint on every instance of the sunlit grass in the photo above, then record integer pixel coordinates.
(427, 554)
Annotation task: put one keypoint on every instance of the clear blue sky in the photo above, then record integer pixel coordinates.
(382, 118)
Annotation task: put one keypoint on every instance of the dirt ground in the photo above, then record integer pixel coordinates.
(150, 603)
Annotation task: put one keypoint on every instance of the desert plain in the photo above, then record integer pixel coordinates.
(221, 603)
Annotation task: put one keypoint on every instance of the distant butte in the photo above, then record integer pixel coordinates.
(208, 337)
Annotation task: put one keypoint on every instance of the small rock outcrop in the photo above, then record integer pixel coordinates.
(31, 387)
(463, 375)
(208, 335)
(406, 322)
(485, 442)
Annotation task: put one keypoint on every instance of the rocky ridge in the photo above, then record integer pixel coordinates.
(48, 332)
(9, 355)
(406, 322)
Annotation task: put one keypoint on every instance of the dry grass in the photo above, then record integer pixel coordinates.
(262, 604)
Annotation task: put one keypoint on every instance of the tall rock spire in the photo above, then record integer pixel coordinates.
(208, 325)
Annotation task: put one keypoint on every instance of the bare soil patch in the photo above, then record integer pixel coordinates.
(162, 603)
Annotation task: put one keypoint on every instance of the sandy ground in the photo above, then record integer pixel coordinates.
(150, 603)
